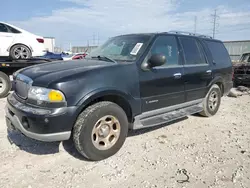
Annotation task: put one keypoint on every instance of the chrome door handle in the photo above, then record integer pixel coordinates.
(177, 75)
(209, 71)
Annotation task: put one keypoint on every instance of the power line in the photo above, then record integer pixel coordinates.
(238, 29)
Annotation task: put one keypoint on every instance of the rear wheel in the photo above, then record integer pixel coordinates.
(5, 85)
(20, 52)
(212, 101)
(100, 130)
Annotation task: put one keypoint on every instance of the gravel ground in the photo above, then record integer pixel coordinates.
(213, 152)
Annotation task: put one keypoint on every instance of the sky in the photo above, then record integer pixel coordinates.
(79, 22)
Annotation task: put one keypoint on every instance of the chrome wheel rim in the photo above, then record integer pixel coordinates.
(213, 100)
(21, 53)
(2, 85)
(106, 132)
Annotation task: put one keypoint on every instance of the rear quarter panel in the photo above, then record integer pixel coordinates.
(30, 41)
(222, 71)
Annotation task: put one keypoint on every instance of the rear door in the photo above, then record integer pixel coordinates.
(163, 86)
(222, 64)
(6, 38)
(197, 70)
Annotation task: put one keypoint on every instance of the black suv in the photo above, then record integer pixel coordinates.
(130, 82)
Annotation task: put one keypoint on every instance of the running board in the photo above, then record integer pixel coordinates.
(160, 119)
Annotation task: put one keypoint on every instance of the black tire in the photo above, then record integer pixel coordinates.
(207, 109)
(25, 49)
(5, 85)
(86, 121)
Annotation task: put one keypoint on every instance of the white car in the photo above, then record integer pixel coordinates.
(17, 43)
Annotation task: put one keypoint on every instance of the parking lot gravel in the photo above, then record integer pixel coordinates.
(193, 152)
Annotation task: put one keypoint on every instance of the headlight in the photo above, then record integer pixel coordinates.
(47, 95)
(16, 73)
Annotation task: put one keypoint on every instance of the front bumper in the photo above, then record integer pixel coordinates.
(40, 124)
(242, 79)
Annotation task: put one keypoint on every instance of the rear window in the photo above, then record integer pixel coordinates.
(12, 30)
(219, 52)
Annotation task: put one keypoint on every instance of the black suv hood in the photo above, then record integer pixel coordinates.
(45, 73)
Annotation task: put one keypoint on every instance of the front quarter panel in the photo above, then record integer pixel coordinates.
(120, 79)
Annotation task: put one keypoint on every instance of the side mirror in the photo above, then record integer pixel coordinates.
(156, 60)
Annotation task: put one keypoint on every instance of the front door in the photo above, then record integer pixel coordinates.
(197, 70)
(162, 86)
(6, 39)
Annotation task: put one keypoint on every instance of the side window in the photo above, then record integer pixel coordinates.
(3, 28)
(219, 52)
(12, 30)
(193, 52)
(167, 46)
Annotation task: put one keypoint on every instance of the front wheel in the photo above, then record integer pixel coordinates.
(100, 130)
(212, 101)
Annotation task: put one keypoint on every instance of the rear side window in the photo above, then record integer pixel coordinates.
(193, 51)
(12, 30)
(3, 28)
(219, 52)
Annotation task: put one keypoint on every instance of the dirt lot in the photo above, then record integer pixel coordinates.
(214, 152)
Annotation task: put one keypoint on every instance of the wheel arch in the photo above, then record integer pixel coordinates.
(120, 98)
(219, 81)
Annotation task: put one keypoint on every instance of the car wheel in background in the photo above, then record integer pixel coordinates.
(20, 51)
(5, 85)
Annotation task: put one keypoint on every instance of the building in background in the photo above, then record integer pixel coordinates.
(79, 49)
(237, 48)
(58, 49)
(49, 43)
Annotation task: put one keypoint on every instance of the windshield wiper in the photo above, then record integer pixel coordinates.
(104, 58)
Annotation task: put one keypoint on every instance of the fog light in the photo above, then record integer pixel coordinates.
(25, 123)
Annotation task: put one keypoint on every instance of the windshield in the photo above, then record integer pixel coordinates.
(246, 58)
(122, 48)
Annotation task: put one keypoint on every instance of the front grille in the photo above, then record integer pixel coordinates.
(22, 85)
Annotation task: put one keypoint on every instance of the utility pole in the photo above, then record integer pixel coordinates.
(98, 39)
(93, 39)
(195, 24)
(215, 22)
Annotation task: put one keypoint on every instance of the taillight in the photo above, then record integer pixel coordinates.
(40, 40)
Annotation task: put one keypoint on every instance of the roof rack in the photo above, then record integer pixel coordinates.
(191, 34)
